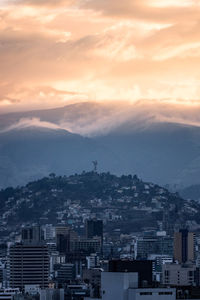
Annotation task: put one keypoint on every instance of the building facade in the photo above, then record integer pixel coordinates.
(184, 243)
(94, 228)
(180, 274)
(28, 264)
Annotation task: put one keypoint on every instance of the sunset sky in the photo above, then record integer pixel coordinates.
(55, 52)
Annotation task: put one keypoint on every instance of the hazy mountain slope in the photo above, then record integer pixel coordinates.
(191, 192)
(31, 153)
(165, 153)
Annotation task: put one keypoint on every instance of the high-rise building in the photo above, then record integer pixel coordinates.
(28, 264)
(63, 243)
(94, 228)
(65, 238)
(3, 250)
(32, 234)
(184, 243)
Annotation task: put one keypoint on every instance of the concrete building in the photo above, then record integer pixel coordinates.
(52, 294)
(3, 250)
(8, 294)
(31, 234)
(154, 245)
(55, 259)
(158, 262)
(28, 264)
(93, 278)
(65, 238)
(184, 246)
(87, 246)
(94, 228)
(76, 291)
(51, 247)
(180, 275)
(65, 272)
(93, 261)
(32, 289)
(49, 232)
(3, 272)
(115, 285)
(123, 286)
(61, 230)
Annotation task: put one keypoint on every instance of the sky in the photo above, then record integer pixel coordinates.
(56, 52)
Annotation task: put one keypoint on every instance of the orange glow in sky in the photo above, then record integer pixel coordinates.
(55, 52)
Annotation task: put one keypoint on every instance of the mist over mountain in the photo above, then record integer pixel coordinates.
(29, 153)
(132, 139)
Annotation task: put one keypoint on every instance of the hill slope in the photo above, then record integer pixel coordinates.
(125, 203)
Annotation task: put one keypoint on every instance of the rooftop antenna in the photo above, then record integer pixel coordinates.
(95, 163)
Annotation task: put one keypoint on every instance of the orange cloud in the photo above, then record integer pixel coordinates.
(99, 49)
(45, 3)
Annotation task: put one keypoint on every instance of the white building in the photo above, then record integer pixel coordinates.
(32, 289)
(179, 274)
(51, 294)
(124, 286)
(92, 261)
(56, 258)
(49, 232)
(115, 285)
(159, 261)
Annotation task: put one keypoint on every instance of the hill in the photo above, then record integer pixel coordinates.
(125, 203)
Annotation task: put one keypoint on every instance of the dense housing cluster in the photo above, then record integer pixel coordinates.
(98, 236)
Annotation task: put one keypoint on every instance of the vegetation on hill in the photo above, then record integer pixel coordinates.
(125, 203)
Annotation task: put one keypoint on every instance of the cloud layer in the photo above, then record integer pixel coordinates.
(89, 119)
(55, 52)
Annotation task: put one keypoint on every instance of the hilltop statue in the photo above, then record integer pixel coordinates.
(95, 163)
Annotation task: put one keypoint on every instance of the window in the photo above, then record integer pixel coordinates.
(166, 273)
(145, 293)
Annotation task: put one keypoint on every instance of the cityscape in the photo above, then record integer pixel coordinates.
(98, 236)
(99, 149)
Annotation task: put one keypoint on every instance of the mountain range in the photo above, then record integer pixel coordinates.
(124, 141)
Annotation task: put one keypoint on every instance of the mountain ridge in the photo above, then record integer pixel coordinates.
(162, 152)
